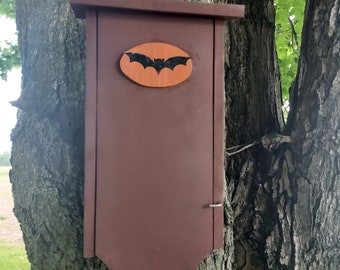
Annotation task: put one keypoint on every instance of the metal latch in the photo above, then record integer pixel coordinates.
(214, 205)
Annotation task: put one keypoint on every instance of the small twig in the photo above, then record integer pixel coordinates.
(237, 146)
(294, 34)
(270, 142)
(241, 149)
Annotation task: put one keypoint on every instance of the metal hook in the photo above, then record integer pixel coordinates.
(214, 205)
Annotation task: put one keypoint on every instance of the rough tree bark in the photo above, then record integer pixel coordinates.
(47, 153)
(314, 126)
(281, 197)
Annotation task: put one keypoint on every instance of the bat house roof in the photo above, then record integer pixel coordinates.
(180, 7)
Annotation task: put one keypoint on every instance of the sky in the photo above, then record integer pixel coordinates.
(9, 90)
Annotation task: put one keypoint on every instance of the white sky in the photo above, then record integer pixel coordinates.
(9, 90)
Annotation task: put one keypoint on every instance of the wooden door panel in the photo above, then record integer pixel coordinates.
(154, 149)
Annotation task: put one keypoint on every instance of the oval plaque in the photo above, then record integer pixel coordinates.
(156, 64)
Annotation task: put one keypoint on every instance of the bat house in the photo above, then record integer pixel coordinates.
(154, 157)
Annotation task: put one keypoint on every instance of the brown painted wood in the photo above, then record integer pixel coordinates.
(155, 150)
(225, 11)
(154, 158)
(218, 181)
(90, 134)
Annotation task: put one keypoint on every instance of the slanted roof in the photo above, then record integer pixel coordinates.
(180, 7)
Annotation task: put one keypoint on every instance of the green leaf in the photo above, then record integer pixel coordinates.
(9, 52)
(7, 8)
(9, 58)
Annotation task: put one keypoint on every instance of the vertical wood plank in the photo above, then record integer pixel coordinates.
(218, 132)
(90, 134)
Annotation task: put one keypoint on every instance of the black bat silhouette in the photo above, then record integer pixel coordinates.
(157, 63)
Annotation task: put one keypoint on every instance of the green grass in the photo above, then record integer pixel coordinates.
(13, 257)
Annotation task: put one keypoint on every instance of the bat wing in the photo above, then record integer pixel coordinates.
(174, 61)
(140, 58)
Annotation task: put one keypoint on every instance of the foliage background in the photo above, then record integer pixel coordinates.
(7, 8)
(289, 22)
(9, 52)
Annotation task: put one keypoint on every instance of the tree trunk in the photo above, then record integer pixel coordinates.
(48, 140)
(253, 110)
(281, 196)
(314, 127)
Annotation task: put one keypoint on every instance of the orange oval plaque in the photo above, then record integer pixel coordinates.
(156, 64)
